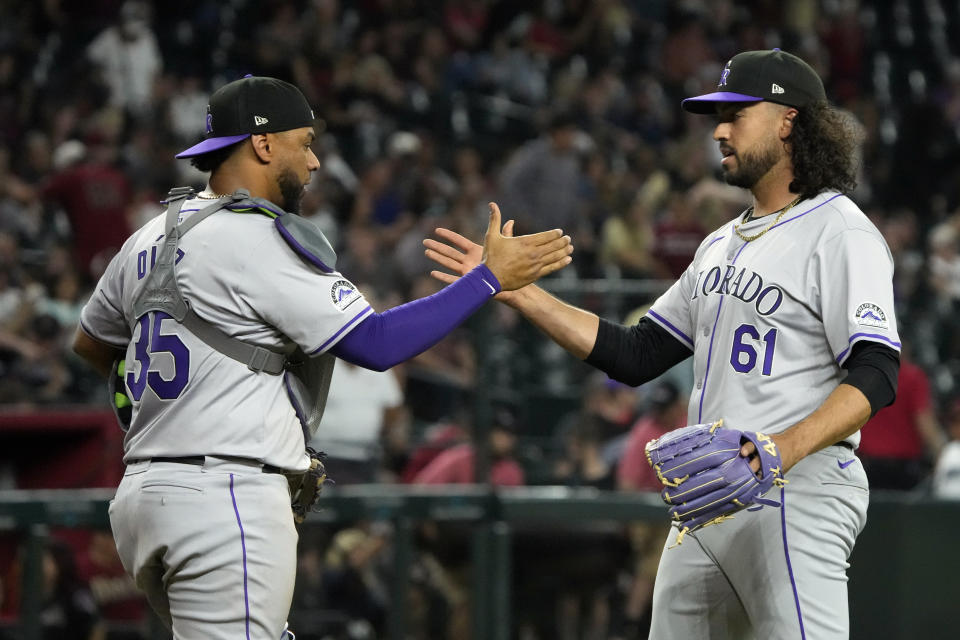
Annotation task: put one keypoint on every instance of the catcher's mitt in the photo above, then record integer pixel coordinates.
(305, 487)
(706, 479)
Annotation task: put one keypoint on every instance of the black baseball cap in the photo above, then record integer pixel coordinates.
(774, 76)
(251, 105)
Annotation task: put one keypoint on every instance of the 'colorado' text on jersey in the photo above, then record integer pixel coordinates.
(771, 321)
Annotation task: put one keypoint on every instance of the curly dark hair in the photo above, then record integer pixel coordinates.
(211, 161)
(822, 146)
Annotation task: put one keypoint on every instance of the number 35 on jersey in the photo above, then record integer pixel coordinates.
(151, 348)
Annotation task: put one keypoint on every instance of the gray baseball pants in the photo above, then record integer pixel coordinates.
(212, 545)
(775, 573)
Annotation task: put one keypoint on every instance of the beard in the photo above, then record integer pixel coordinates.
(291, 190)
(751, 166)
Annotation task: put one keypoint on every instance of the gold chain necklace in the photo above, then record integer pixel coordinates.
(212, 196)
(746, 238)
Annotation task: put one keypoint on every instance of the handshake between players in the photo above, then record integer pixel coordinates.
(518, 261)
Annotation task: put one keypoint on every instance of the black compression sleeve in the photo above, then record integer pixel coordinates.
(872, 368)
(634, 355)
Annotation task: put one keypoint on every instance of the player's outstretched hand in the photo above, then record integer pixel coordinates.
(515, 261)
(463, 255)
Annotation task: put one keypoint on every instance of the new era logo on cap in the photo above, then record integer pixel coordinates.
(259, 120)
(775, 88)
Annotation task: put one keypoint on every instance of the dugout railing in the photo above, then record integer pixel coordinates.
(904, 574)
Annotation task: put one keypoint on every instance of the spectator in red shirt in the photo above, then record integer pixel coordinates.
(668, 412)
(68, 611)
(456, 465)
(121, 603)
(94, 195)
(898, 445)
(437, 439)
(678, 235)
(465, 23)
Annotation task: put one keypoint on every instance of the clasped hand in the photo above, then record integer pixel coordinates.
(515, 261)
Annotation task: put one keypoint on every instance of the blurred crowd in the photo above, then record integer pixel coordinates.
(565, 112)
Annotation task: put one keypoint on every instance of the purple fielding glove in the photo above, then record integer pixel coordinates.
(705, 479)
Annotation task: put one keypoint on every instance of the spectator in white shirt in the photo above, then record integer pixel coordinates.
(946, 473)
(128, 58)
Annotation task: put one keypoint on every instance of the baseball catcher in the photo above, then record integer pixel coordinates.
(196, 351)
(706, 477)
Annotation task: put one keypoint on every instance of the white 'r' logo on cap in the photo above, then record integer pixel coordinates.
(260, 120)
(725, 75)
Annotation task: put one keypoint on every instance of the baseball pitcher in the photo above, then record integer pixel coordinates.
(787, 311)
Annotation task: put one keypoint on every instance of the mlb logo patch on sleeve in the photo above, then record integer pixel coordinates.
(343, 294)
(870, 315)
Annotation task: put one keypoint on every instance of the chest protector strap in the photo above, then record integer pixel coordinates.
(161, 292)
(306, 378)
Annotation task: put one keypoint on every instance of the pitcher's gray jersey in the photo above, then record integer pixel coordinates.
(771, 321)
(237, 273)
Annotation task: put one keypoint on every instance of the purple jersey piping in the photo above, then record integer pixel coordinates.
(669, 326)
(706, 374)
(300, 249)
(716, 321)
(342, 329)
(786, 553)
(243, 546)
(86, 329)
(800, 215)
(876, 336)
(717, 239)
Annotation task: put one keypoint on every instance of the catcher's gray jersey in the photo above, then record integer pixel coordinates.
(771, 321)
(238, 274)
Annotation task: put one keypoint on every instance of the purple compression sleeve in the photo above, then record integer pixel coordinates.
(385, 339)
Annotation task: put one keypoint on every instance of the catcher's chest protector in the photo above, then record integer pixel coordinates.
(306, 378)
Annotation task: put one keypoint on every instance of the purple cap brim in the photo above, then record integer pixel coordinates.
(211, 144)
(705, 104)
